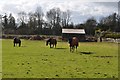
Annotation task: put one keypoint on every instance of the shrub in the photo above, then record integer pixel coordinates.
(113, 35)
(36, 38)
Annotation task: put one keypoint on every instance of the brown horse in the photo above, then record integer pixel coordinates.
(74, 42)
(52, 42)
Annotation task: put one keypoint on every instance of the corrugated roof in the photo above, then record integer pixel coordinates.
(76, 31)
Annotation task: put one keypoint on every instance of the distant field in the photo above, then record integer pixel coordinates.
(36, 60)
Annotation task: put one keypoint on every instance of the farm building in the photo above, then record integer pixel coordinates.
(79, 33)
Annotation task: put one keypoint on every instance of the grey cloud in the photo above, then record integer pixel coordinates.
(108, 4)
(119, 8)
(10, 8)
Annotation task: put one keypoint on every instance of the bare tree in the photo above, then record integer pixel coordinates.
(66, 16)
(22, 28)
(11, 22)
(22, 16)
(51, 17)
(54, 17)
(32, 22)
(39, 16)
(90, 26)
(110, 23)
(1, 25)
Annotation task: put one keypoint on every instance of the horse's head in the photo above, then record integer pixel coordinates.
(47, 42)
(14, 38)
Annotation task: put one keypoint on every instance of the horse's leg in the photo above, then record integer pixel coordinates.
(50, 45)
(73, 48)
(19, 44)
(55, 45)
(76, 48)
(70, 48)
(14, 44)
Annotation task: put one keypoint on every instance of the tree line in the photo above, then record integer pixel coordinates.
(33, 23)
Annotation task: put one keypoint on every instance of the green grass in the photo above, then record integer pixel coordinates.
(0, 59)
(36, 60)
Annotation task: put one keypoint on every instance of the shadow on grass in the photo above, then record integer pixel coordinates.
(87, 52)
(19, 47)
(23, 46)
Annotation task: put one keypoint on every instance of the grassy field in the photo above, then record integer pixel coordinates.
(36, 60)
(0, 59)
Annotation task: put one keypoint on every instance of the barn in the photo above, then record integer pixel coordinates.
(79, 33)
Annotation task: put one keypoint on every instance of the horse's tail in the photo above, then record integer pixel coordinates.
(55, 41)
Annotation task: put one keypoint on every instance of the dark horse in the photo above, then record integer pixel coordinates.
(17, 41)
(74, 42)
(51, 41)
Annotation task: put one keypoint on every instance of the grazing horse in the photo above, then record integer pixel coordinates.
(74, 42)
(17, 41)
(51, 41)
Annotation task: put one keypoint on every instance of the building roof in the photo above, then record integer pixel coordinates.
(75, 31)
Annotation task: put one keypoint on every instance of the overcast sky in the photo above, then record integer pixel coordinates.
(80, 11)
